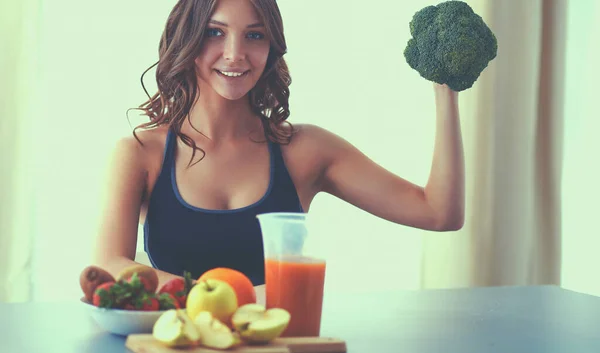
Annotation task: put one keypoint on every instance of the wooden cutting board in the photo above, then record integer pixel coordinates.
(145, 343)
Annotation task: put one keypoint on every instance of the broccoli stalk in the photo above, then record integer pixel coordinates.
(450, 44)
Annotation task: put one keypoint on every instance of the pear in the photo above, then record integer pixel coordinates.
(255, 324)
(214, 333)
(174, 328)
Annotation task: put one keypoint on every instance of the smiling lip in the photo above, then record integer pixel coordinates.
(232, 73)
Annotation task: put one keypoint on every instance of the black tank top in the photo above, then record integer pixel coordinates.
(180, 237)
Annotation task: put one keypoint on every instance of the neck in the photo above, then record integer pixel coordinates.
(219, 119)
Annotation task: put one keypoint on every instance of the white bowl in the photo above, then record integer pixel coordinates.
(123, 322)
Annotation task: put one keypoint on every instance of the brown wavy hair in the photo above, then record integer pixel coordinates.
(177, 87)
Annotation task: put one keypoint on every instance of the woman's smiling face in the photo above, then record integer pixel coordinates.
(234, 52)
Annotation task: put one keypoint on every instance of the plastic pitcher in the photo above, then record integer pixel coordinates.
(294, 273)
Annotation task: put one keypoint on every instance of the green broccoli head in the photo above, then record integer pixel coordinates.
(450, 44)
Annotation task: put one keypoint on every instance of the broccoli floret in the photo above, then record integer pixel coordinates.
(450, 44)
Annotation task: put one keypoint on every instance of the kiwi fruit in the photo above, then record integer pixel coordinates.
(91, 277)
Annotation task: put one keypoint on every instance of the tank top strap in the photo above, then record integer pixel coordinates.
(169, 151)
(282, 178)
(275, 149)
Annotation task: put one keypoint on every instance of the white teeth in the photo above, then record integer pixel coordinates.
(232, 74)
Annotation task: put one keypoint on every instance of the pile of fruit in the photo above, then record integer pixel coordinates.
(134, 288)
(218, 310)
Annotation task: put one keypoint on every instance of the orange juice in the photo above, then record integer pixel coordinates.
(295, 283)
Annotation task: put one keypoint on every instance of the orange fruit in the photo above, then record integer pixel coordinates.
(242, 285)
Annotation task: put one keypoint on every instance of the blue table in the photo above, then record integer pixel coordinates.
(545, 319)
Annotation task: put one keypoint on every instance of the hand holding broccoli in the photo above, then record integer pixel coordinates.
(450, 44)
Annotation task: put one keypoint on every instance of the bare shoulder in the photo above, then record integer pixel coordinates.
(144, 142)
(308, 156)
(302, 141)
(136, 157)
(313, 139)
(141, 148)
(308, 134)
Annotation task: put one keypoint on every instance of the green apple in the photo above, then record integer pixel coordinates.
(174, 328)
(255, 324)
(212, 295)
(214, 333)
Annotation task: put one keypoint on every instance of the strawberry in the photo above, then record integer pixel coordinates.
(179, 288)
(104, 296)
(151, 304)
(138, 284)
(128, 294)
(144, 283)
(145, 302)
(168, 301)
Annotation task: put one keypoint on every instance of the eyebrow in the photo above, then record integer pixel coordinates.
(254, 25)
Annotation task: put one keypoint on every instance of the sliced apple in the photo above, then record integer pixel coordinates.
(255, 324)
(214, 333)
(174, 328)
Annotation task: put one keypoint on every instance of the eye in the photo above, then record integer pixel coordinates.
(213, 32)
(256, 35)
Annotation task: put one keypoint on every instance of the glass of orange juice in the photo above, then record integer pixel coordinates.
(294, 272)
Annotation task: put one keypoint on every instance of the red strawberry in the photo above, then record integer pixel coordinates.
(150, 304)
(168, 301)
(104, 295)
(139, 284)
(145, 284)
(179, 288)
(174, 287)
(144, 301)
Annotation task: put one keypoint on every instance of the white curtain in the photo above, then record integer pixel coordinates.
(19, 93)
(72, 70)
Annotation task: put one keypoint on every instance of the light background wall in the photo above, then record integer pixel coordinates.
(581, 175)
(349, 76)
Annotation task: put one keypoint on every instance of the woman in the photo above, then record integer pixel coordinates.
(218, 150)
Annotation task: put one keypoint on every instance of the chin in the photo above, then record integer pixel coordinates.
(232, 93)
(232, 96)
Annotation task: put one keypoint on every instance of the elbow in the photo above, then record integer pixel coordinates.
(454, 226)
(450, 224)
(446, 214)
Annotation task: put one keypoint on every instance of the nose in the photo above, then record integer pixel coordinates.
(234, 50)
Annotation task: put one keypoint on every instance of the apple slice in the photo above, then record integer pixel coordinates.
(174, 328)
(214, 333)
(258, 325)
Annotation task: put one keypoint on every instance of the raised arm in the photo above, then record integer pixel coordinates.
(124, 191)
(439, 206)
